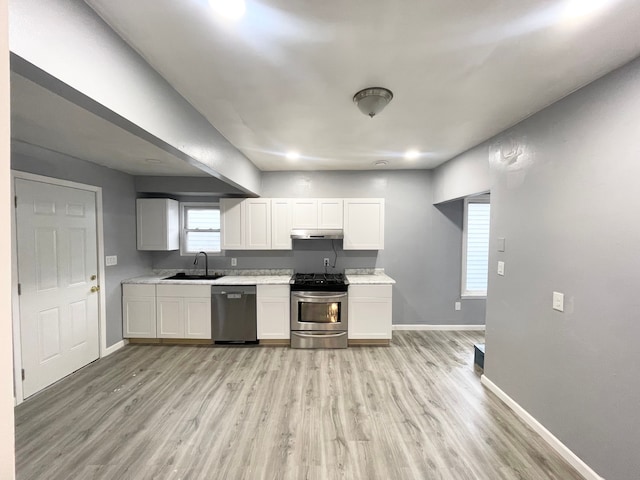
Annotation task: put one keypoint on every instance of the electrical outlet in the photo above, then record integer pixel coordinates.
(234, 262)
(558, 301)
(326, 262)
(111, 260)
(500, 268)
(458, 306)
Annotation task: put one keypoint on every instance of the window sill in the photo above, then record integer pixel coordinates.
(468, 296)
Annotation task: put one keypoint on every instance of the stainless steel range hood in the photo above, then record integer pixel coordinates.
(316, 234)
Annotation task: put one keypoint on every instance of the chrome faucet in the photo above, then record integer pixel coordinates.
(206, 262)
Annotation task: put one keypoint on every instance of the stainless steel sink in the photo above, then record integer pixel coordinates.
(185, 276)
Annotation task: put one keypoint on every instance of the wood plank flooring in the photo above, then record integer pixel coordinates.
(414, 410)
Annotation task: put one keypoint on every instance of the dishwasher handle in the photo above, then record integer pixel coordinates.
(233, 289)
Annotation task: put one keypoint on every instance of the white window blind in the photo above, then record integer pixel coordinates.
(476, 255)
(201, 229)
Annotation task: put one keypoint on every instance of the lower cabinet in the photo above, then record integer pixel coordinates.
(273, 303)
(173, 311)
(139, 311)
(370, 312)
(183, 311)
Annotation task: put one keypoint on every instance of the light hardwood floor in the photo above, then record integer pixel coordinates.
(414, 410)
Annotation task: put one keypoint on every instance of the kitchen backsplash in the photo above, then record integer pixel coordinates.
(217, 271)
(306, 256)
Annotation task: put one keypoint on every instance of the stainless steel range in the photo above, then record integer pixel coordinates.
(319, 310)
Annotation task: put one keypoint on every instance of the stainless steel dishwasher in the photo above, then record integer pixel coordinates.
(233, 314)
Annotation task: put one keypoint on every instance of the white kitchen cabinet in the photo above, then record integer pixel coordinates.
(257, 233)
(245, 223)
(232, 223)
(183, 311)
(363, 224)
(170, 321)
(158, 224)
(330, 213)
(273, 304)
(370, 312)
(139, 311)
(323, 213)
(305, 213)
(281, 223)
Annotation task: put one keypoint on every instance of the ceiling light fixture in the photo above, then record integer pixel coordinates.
(411, 154)
(229, 9)
(371, 101)
(293, 156)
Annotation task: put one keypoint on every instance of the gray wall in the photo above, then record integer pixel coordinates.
(118, 198)
(423, 243)
(564, 187)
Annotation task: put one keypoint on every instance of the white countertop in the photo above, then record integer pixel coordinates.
(373, 278)
(377, 278)
(226, 280)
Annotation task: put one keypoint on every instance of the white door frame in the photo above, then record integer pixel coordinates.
(15, 299)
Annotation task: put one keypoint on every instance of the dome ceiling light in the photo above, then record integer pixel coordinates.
(371, 101)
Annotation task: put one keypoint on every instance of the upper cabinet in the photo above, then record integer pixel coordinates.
(281, 223)
(245, 223)
(158, 222)
(330, 213)
(266, 223)
(322, 213)
(363, 224)
(232, 218)
(257, 232)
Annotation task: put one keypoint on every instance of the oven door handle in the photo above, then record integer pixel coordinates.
(315, 335)
(319, 295)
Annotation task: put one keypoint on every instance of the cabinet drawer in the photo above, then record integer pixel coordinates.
(136, 290)
(185, 291)
(370, 291)
(273, 291)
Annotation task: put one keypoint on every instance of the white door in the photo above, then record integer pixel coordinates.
(57, 268)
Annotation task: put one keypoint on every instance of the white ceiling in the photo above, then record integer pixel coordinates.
(283, 77)
(40, 117)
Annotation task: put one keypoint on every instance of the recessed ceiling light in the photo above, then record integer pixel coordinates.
(380, 163)
(153, 161)
(293, 156)
(229, 9)
(411, 154)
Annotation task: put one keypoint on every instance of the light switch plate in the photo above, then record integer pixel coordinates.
(111, 260)
(500, 268)
(458, 306)
(501, 244)
(234, 262)
(558, 301)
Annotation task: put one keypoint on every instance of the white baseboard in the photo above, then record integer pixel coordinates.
(113, 348)
(418, 326)
(570, 457)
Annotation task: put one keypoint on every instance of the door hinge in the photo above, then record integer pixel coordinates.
(23, 375)
(19, 289)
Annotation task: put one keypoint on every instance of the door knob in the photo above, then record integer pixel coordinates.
(95, 289)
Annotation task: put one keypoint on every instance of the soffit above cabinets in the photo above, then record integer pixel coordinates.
(42, 118)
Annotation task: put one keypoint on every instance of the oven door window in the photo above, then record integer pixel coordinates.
(319, 312)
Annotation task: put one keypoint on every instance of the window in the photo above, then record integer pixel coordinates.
(200, 228)
(475, 246)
